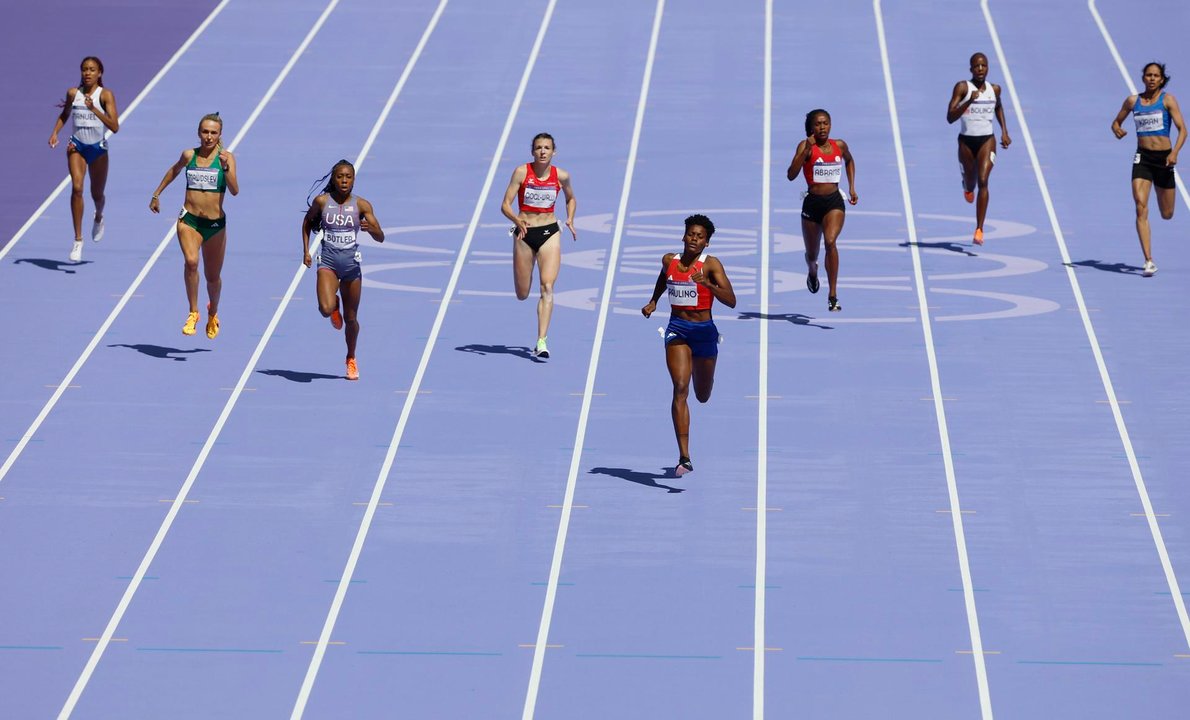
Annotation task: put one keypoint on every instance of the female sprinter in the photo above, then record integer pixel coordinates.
(821, 160)
(1153, 111)
(341, 216)
(202, 226)
(692, 280)
(92, 109)
(536, 237)
(974, 102)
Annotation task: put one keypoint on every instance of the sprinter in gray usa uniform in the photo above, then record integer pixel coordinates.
(340, 215)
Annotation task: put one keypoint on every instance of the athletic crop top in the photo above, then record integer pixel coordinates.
(684, 293)
(536, 195)
(1151, 120)
(823, 167)
(976, 120)
(88, 128)
(340, 223)
(205, 179)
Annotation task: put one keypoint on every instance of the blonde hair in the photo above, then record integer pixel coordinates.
(213, 117)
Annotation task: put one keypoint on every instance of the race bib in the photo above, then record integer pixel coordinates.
(202, 179)
(339, 237)
(982, 109)
(1136, 159)
(541, 198)
(1150, 122)
(83, 117)
(828, 172)
(682, 294)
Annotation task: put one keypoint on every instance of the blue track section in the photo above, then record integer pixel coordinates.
(1069, 583)
(865, 609)
(657, 579)
(866, 613)
(92, 482)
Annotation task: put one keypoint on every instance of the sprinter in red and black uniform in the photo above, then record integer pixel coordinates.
(535, 186)
(692, 280)
(822, 161)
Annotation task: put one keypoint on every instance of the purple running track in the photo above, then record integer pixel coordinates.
(133, 38)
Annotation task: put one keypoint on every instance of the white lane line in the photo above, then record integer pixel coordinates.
(122, 607)
(1111, 46)
(551, 590)
(1171, 578)
(144, 271)
(956, 511)
(123, 119)
(762, 422)
(414, 388)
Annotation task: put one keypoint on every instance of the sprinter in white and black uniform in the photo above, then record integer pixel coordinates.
(1154, 111)
(975, 102)
(692, 280)
(536, 235)
(340, 215)
(202, 226)
(822, 161)
(92, 111)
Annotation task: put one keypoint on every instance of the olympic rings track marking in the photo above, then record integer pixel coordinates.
(956, 512)
(551, 591)
(176, 505)
(1108, 386)
(415, 386)
(124, 117)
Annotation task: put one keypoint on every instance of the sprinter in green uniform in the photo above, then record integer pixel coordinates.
(202, 227)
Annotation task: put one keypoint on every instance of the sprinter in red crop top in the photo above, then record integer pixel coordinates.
(693, 280)
(535, 187)
(822, 161)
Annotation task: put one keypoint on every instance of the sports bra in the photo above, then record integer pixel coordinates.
(537, 195)
(823, 168)
(1151, 120)
(205, 179)
(684, 293)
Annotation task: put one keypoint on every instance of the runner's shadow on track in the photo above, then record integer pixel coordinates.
(951, 246)
(640, 478)
(56, 265)
(298, 376)
(160, 352)
(795, 318)
(1120, 268)
(517, 350)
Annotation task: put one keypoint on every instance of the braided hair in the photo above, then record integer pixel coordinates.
(325, 184)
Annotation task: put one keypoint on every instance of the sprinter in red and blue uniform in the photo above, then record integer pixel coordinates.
(692, 280)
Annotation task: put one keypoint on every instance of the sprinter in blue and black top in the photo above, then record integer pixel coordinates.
(1153, 111)
(202, 226)
(340, 216)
